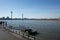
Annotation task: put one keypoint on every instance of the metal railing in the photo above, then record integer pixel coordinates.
(20, 32)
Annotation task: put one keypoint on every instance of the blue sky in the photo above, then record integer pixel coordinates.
(30, 8)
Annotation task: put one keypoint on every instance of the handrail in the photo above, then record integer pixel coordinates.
(19, 33)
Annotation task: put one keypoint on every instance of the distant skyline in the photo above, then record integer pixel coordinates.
(30, 8)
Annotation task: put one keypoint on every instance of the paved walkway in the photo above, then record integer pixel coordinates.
(5, 35)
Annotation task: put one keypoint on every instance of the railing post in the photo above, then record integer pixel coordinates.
(2, 25)
(34, 37)
(19, 32)
(13, 30)
(23, 34)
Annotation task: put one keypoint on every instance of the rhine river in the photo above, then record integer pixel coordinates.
(48, 29)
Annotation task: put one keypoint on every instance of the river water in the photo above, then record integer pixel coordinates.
(48, 29)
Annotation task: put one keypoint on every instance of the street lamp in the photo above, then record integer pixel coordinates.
(11, 14)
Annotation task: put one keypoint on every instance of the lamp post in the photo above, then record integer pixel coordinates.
(22, 24)
(22, 19)
(11, 14)
(11, 19)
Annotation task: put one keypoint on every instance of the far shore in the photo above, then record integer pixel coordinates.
(30, 19)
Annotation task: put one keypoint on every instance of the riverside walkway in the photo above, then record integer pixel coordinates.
(6, 35)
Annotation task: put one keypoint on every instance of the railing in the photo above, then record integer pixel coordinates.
(20, 32)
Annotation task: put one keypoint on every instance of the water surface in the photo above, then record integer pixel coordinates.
(48, 29)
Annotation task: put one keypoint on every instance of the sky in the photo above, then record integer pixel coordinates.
(30, 8)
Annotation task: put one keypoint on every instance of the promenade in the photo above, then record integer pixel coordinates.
(6, 35)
